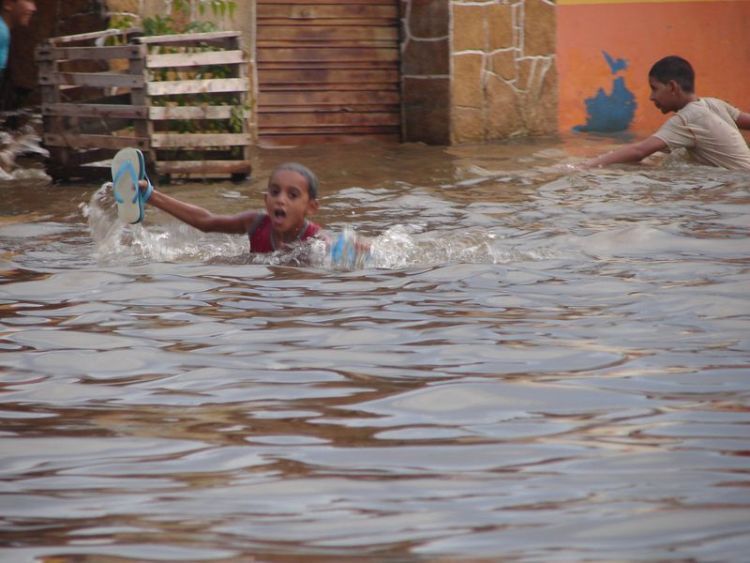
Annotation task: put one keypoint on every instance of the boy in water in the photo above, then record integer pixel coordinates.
(291, 196)
(707, 127)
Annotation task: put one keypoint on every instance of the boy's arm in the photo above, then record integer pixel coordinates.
(629, 153)
(743, 120)
(199, 217)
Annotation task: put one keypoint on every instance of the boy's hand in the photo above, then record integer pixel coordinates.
(565, 168)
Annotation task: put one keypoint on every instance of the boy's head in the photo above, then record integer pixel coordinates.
(672, 82)
(17, 12)
(291, 196)
(674, 68)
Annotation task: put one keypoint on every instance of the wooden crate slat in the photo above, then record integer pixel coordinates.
(182, 60)
(191, 37)
(196, 140)
(193, 112)
(79, 141)
(89, 156)
(93, 79)
(203, 167)
(91, 53)
(95, 110)
(210, 86)
(93, 35)
(138, 97)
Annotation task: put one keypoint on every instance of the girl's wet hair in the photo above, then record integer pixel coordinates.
(674, 68)
(305, 172)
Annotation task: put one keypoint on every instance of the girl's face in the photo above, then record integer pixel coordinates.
(288, 202)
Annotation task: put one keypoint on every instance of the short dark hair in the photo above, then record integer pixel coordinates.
(674, 68)
(305, 172)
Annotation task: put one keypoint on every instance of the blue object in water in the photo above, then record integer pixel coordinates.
(345, 253)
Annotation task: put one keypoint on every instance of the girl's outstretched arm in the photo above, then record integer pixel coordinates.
(198, 217)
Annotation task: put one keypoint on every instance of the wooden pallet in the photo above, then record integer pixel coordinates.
(182, 99)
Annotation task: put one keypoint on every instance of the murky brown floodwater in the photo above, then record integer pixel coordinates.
(534, 367)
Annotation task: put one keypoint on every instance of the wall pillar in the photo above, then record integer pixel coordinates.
(478, 70)
(425, 71)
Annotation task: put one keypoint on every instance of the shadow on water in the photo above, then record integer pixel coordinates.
(533, 366)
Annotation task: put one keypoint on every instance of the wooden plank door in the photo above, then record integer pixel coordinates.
(328, 71)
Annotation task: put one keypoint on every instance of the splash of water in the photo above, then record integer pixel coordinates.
(398, 247)
(403, 247)
(15, 143)
(115, 241)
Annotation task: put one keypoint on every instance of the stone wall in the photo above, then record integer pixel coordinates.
(478, 70)
(425, 71)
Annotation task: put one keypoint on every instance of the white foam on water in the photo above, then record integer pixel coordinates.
(21, 142)
(401, 246)
(117, 241)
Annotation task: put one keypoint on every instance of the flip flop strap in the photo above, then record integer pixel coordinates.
(145, 196)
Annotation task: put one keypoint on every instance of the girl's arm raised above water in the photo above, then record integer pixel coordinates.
(198, 217)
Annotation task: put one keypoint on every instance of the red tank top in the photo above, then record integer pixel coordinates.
(260, 231)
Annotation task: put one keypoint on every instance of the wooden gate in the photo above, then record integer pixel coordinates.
(181, 99)
(328, 71)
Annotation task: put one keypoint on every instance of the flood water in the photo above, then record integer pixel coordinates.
(534, 366)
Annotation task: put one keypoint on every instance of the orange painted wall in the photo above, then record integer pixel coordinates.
(714, 35)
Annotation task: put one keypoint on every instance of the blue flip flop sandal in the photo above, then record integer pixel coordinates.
(128, 167)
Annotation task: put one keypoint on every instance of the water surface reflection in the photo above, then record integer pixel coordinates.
(536, 366)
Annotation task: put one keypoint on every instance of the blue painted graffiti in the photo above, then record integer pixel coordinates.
(610, 113)
(615, 65)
